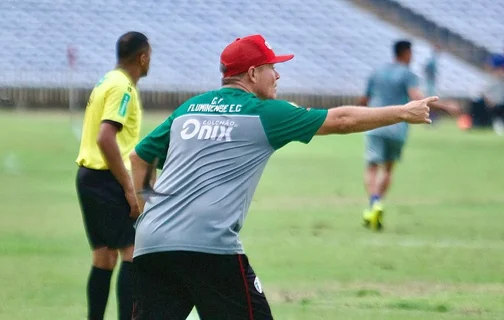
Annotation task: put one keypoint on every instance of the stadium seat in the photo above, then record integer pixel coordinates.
(478, 21)
(336, 43)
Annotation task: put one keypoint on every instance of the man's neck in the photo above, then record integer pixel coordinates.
(237, 85)
(399, 61)
(129, 72)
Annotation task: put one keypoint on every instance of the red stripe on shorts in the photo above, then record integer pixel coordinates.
(245, 283)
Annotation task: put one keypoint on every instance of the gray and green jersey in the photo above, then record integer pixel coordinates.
(389, 86)
(212, 151)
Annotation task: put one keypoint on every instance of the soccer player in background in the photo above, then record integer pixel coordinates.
(391, 84)
(431, 73)
(105, 189)
(212, 151)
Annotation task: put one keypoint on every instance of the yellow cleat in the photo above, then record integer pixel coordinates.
(366, 217)
(373, 218)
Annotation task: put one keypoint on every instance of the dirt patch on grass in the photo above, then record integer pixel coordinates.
(472, 311)
(367, 289)
(291, 296)
(416, 289)
(417, 297)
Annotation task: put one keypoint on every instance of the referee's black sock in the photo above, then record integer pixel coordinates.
(97, 292)
(125, 290)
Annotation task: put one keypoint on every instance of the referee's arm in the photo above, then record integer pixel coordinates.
(108, 146)
(110, 150)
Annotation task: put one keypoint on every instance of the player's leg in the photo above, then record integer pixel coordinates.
(385, 178)
(373, 217)
(225, 287)
(98, 286)
(159, 293)
(88, 186)
(375, 156)
(124, 285)
(370, 180)
(377, 211)
(394, 150)
(121, 235)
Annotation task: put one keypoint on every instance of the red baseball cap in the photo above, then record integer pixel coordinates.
(250, 51)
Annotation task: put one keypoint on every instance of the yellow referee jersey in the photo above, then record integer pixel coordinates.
(114, 98)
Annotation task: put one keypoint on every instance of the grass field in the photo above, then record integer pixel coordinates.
(440, 256)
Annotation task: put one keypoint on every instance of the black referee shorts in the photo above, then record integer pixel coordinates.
(105, 210)
(168, 285)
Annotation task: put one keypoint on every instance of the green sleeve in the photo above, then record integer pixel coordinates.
(411, 80)
(284, 122)
(156, 143)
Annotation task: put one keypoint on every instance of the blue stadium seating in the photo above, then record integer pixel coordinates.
(336, 43)
(478, 21)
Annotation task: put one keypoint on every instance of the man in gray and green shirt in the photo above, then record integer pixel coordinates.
(212, 151)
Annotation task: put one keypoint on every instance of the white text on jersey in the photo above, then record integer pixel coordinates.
(208, 130)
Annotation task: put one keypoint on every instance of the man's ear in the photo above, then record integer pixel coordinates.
(252, 74)
(143, 59)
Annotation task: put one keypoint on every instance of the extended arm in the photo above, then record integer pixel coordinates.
(348, 119)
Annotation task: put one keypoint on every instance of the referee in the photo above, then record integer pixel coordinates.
(212, 151)
(104, 187)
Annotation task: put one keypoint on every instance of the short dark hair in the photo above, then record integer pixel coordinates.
(130, 44)
(223, 68)
(401, 46)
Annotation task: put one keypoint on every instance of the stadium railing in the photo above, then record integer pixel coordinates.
(59, 99)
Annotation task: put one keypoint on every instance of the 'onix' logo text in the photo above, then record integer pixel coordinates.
(217, 130)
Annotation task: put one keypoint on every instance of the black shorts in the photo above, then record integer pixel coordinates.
(222, 287)
(105, 210)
